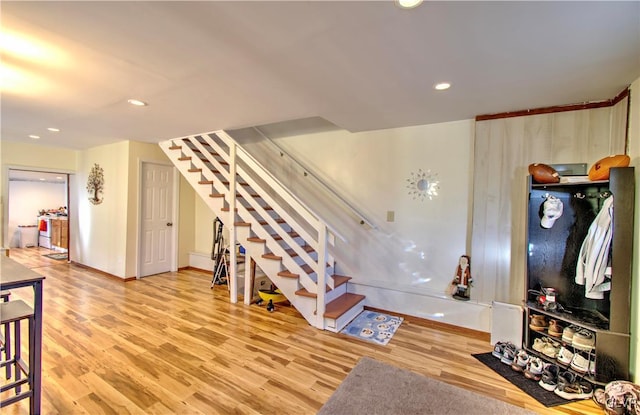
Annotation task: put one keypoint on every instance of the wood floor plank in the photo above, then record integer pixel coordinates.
(170, 344)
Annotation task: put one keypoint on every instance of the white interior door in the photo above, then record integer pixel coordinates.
(156, 247)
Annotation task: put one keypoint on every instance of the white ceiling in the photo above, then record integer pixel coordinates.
(362, 65)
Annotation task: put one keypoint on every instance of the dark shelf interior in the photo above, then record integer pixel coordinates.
(590, 319)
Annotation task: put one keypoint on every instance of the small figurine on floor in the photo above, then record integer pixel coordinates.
(462, 282)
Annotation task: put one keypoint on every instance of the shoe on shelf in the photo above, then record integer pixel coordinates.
(580, 364)
(539, 343)
(551, 349)
(509, 354)
(521, 360)
(555, 329)
(549, 377)
(564, 356)
(570, 387)
(538, 322)
(567, 334)
(534, 369)
(583, 340)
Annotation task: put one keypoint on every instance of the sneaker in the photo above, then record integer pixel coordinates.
(599, 397)
(540, 343)
(538, 323)
(583, 340)
(509, 354)
(570, 387)
(520, 362)
(564, 356)
(551, 349)
(567, 334)
(498, 349)
(555, 329)
(549, 377)
(621, 397)
(534, 369)
(579, 363)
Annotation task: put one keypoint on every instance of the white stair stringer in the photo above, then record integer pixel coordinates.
(264, 228)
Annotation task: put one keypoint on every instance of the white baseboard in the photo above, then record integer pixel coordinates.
(468, 314)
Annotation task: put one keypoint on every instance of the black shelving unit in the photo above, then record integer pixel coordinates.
(552, 255)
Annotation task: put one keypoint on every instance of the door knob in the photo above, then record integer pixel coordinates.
(169, 223)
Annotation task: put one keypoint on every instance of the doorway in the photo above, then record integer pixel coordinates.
(37, 200)
(157, 251)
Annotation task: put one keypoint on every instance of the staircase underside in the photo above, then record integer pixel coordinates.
(286, 250)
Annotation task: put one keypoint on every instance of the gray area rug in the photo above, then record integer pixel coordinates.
(373, 387)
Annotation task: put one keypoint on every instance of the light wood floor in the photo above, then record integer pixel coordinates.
(169, 344)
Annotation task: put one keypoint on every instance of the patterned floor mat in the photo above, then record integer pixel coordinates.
(373, 327)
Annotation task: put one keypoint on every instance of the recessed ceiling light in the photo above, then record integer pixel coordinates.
(42, 179)
(137, 102)
(408, 4)
(55, 130)
(442, 86)
(35, 137)
(58, 177)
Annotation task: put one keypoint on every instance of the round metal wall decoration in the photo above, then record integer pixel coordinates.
(95, 184)
(423, 184)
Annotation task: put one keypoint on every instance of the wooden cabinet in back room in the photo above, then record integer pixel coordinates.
(59, 233)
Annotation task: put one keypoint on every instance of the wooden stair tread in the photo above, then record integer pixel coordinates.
(175, 148)
(216, 195)
(205, 182)
(278, 220)
(252, 209)
(292, 234)
(306, 248)
(223, 162)
(288, 274)
(242, 224)
(226, 183)
(272, 256)
(184, 158)
(195, 170)
(304, 293)
(255, 239)
(338, 280)
(341, 305)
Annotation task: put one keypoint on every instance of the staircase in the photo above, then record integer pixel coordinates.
(288, 241)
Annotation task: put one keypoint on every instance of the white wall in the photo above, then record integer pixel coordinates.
(406, 265)
(102, 232)
(26, 198)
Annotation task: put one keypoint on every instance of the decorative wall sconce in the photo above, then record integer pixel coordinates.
(423, 184)
(95, 184)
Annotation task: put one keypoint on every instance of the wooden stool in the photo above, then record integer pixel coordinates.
(5, 336)
(13, 312)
